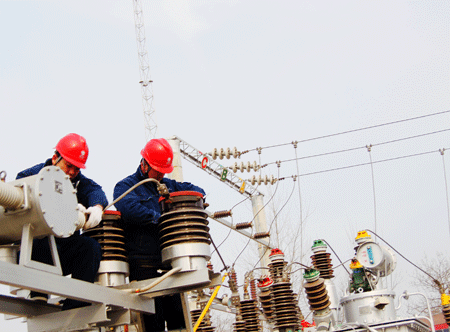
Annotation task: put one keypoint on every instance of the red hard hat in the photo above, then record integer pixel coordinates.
(159, 155)
(74, 149)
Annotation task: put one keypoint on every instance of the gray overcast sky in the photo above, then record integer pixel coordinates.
(247, 74)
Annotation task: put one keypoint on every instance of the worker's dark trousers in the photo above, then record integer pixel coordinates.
(79, 256)
(167, 308)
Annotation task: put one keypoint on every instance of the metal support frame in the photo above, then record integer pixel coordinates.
(26, 248)
(144, 72)
(120, 296)
(110, 306)
(215, 169)
(40, 281)
(80, 319)
(18, 307)
(186, 311)
(76, 320)
(176, 283)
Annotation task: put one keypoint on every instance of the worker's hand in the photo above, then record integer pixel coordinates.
(81, 208)
(81, 217)
(95, 216)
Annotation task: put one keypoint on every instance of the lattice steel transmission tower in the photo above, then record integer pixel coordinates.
(151, 127)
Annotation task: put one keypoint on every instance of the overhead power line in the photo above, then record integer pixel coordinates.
(362, 164)
(351, 131)
(359, 147)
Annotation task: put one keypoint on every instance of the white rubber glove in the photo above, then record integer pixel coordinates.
(95, 217)
(81, 208)
(81, 216)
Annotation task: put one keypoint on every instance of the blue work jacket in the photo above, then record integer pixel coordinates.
(140, 211)
(89, 193)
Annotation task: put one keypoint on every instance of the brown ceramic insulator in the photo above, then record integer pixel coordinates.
(205, 324)
(233, 276)
(183, 220)
(261, 235)
(276, 269)
(284, 305)
(239, 326)
(265, 298)
(232, 282)
(322, 263)
(249, 313)
(253, 289)
(110, 236)
(222, 214)
(317, 294)
(243, 225)
(446, 312)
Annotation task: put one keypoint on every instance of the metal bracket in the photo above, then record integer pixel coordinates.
(80, 319)
(26, 248)
(186, 312)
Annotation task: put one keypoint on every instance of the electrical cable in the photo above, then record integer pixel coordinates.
(358, 165)
(402, 255)
(365, 164)
(300, 202)
(154, 283)
(411, 137)
(354, 130)
(446, 186)
(301, 264)
(129, 190)
(226, 237)
(358, 148)
(225, 267)
(299, 269)
(342, 264)
(331, 248)
(369, 149)
(290, 195)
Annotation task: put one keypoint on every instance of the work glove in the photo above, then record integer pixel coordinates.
(95, 216)
(81, 208)
(81, 217)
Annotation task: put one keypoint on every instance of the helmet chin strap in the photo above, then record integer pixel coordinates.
(57, 160)
(143, 164)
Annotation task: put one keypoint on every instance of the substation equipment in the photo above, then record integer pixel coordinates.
(45, 205)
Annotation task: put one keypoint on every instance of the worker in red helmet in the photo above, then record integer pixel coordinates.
(140, 212)
(80, 256)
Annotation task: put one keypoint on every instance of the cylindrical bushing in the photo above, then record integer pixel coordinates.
(183, 231)
(114, 266)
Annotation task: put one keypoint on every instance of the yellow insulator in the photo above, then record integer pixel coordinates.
(362, 237)
(355, 264)
(445, 299)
